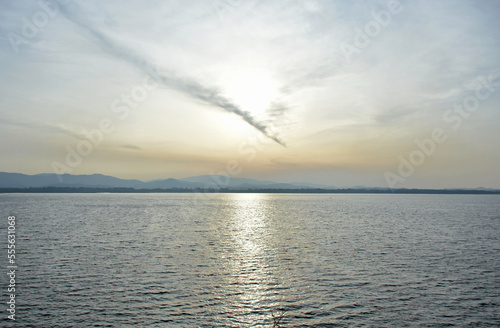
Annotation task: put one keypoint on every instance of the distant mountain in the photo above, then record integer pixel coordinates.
(313, 185)
(361, 187)
(222, 181)
(168, 183)
(18, 180)
(203, 182)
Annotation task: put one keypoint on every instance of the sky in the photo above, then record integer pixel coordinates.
(345, 93)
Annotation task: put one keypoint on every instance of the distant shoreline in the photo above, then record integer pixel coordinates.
(72, 190)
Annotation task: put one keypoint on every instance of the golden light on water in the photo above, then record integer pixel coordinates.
(249, 266)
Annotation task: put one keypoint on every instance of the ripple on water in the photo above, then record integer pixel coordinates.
(237, 260)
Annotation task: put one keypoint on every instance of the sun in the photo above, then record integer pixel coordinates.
(252, 91)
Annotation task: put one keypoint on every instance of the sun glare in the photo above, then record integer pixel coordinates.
(252, 91)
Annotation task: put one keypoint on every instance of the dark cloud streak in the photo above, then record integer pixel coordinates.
(193, 88)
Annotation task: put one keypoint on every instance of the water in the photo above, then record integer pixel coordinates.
(237, 260)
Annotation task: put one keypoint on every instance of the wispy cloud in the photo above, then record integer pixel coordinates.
(132, 147)
(195, 89)
(44, 127)
(88, 61)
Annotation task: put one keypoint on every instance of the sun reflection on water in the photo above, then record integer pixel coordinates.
(252, 275)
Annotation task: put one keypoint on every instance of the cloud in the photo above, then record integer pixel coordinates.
(129, 146)
(362, 114)
(195, 89)
(43, 127)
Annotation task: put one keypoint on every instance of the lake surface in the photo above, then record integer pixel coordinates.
(237, 260)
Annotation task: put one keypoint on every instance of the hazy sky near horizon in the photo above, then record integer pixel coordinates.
(334, 92)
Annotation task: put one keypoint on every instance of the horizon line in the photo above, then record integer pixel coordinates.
(356, 187)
